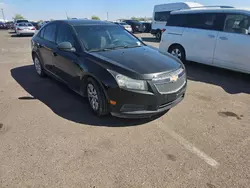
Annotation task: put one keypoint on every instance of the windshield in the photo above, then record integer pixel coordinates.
(105, 37)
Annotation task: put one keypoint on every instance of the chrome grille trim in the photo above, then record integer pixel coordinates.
(168, 87)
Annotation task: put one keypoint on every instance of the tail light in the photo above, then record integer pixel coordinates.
(163, 30)
(19, 28)
(33, 28)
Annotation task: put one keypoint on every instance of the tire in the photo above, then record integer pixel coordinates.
(158, 35)
(178, 51)
(38, 66)
(96, 97)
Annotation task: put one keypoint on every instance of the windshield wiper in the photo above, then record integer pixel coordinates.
(114, 48)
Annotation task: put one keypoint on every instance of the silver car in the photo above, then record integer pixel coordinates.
(25, 29)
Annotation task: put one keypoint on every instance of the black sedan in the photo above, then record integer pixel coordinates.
(117, 72)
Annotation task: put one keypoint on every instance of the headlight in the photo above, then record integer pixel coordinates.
(129, 83)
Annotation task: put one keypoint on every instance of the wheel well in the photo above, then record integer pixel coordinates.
(176, 44)
(84, 84)
(33, 54)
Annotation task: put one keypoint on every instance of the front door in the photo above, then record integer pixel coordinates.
(67, 64)
(233, 44)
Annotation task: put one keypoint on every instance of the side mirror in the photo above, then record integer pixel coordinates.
(66, 46)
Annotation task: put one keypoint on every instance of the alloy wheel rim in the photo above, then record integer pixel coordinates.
(37, 66)
(177, 53)
(92, 96)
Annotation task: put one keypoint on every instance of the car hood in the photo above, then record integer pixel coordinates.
(141, 60)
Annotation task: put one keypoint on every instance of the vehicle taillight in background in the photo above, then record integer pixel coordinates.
(163, 30)
(33, 28)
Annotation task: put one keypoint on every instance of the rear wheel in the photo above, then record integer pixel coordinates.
(178, 51)
(158, 35)
(38, 66)
(96, 98)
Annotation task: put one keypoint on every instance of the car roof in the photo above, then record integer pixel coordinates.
(212, 10)
(76, 22)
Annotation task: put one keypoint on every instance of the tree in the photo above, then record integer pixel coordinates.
(95, 18)
(18, 17)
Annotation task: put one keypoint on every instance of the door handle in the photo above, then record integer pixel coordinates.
(211, 36)
(54, 54)
(223, 38)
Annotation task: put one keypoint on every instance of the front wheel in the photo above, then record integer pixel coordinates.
(178, 51)
(96, 98)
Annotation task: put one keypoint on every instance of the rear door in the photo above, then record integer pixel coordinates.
(200, 35)
(46, 44)
(67, 64)
(233, 44)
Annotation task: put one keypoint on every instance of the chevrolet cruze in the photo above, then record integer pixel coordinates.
(116, 71)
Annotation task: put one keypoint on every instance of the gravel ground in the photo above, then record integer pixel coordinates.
(49, 137)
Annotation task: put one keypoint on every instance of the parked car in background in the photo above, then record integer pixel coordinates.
(25, 29)
(3, 25)
(35, 24)
(10, 25)
(214, 36)
(135, 25)
(41, 24)
(20, 21)
(125, 26)
(116, 72)
(147, 27)
(161, 14)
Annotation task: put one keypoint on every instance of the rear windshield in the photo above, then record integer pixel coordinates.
(25, 24)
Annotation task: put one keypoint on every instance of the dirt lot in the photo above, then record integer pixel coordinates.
(49, 137)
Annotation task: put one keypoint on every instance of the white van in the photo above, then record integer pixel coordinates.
(162, 12)
(215, 36)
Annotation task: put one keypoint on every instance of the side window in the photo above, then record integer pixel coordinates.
(237, 23)
(41, 34)
(50, 32)
(177, 20)
(65, 34)
(162, 16)
(208, 21)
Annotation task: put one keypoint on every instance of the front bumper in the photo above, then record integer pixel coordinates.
(143, 104)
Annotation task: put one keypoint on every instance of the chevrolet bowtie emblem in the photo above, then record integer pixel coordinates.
(173, 78)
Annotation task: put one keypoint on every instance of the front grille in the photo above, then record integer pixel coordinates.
(171, 86)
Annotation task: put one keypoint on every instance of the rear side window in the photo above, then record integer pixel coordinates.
(50, 32)
(162, 16)
(41, 33)
(209, 21)
(177, 20)
(237, 23)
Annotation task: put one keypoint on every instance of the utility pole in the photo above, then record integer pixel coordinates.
(3, 15)
(107, 16)
(66, 15)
